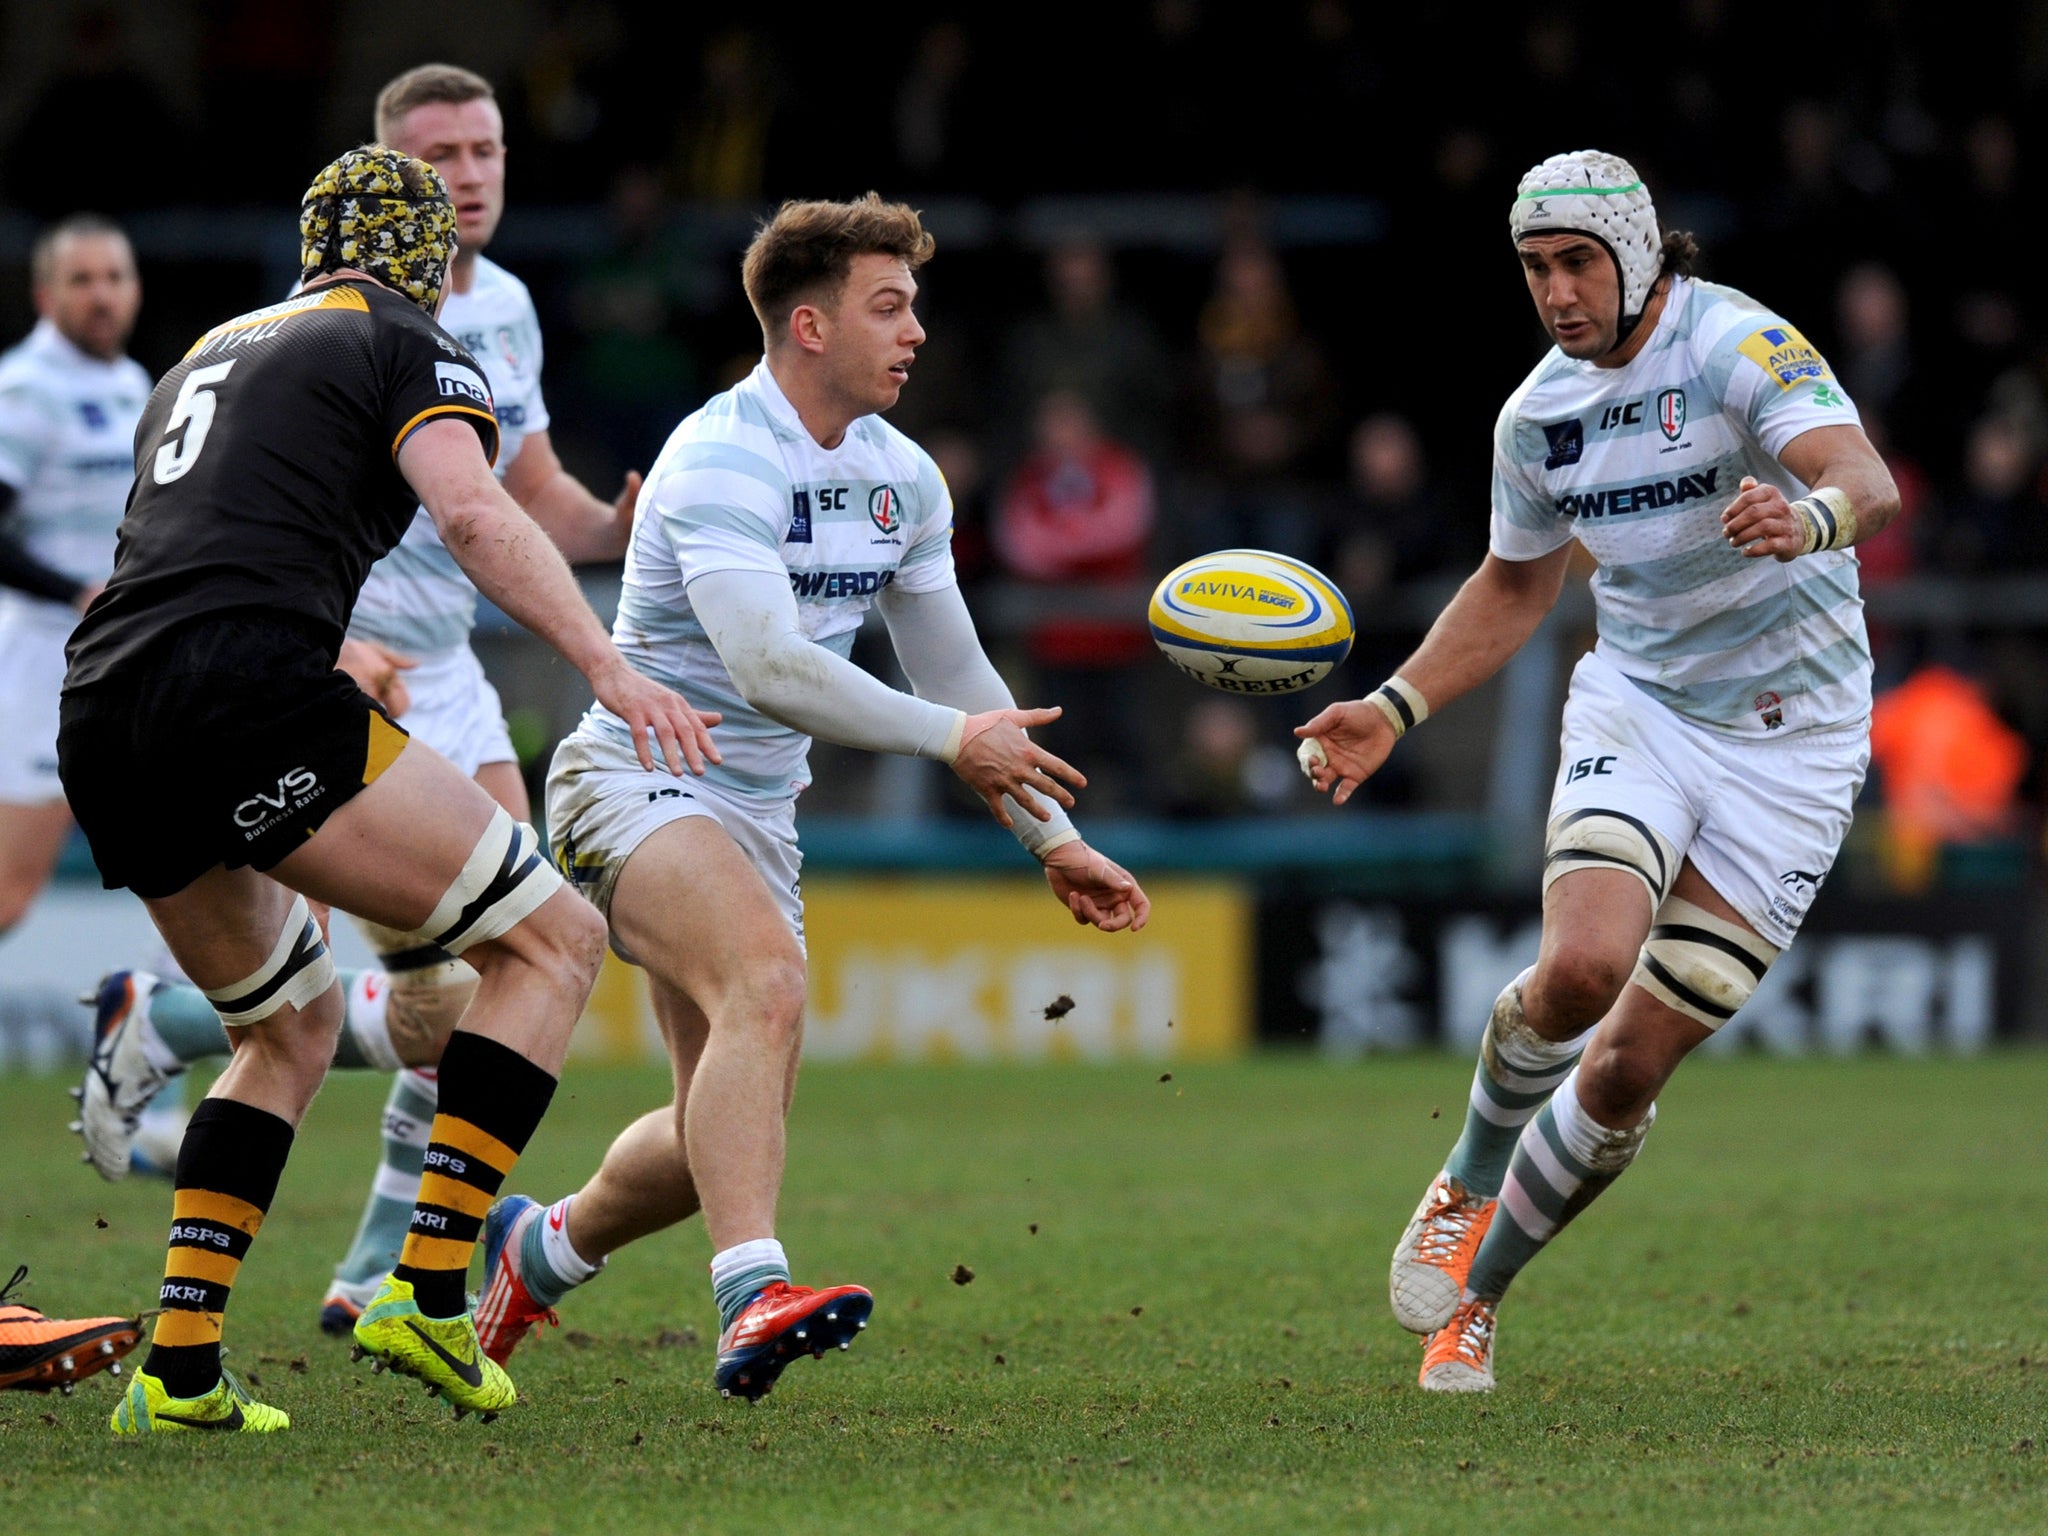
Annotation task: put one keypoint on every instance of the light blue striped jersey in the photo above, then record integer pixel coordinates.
(417, 598)
(67, 448)
(1638, 464)
(742, 486)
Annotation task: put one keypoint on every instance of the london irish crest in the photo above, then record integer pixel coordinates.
(885, 508)
(1671, 413)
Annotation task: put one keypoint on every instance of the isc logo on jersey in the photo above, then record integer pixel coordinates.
(1247, 621)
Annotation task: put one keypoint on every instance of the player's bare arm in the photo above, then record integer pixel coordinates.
(1838, 462)
(583, 526)
(513, 563)
(1492, 617)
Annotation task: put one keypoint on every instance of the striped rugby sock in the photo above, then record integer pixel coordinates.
(182, 1027)
(387, 1215)
(1563, 1162)
(1516, 1075)
(742, 1272)
(492, 1098)
(227, 1176)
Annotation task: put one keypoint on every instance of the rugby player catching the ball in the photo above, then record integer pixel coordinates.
(1714, 741)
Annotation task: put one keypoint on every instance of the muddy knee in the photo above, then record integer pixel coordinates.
(1571, 990)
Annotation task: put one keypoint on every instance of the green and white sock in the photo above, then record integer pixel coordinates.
(1516, 1075)
(387, 1215)
(179, 1026)
(549, 1264)
(1563, 1162)
(742, 1270)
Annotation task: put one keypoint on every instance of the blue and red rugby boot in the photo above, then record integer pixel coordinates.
(507, 1311)
(780, 1323)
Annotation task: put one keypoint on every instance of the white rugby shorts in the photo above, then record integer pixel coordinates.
(1761, 820)
(456, 711)
(32, 637)
(602, 805)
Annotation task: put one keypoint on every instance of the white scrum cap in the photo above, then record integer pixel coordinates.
(1588, 192)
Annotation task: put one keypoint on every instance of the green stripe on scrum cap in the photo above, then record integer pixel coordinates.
(1634, 186)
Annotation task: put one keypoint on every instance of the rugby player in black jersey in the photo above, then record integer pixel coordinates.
(207, 744)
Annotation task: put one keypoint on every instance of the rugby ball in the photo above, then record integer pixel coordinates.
(1249, 621)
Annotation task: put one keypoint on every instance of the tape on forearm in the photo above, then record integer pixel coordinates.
(1827, 517)
(1401, 702)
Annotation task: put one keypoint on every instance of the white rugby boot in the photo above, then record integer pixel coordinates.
(120, 1079)
(1435, 1254)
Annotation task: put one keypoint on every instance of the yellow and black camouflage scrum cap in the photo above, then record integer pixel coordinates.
(383, 213)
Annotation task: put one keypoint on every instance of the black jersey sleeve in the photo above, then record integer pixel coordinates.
(428, 377)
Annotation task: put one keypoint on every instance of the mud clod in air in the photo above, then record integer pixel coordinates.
(962, 1275)
(1059, 1007)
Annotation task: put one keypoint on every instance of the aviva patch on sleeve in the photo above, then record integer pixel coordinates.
(1785, 355)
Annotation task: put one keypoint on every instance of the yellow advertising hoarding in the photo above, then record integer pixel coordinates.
(946, 969)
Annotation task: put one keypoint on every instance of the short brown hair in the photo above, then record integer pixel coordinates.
(804, 253)
(42, 261)
(425, 85)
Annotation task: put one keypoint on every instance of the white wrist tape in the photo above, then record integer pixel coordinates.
(1401, 702)
(951, 749)
(1058, 839)
(1828, 518)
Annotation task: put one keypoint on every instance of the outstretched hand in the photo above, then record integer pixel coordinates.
(1355, 739)
(682, 732)
(996, 759)
(1096, 889)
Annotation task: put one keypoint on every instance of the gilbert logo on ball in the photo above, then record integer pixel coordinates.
(1248, 621)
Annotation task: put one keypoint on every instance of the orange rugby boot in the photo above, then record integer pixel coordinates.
(38, 1352)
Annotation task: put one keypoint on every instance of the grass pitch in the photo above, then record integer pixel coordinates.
(1818, 1304)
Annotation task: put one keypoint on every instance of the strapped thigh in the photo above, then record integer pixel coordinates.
(1600, 839)
(297, 971)
(1703, 966)
(504, 879)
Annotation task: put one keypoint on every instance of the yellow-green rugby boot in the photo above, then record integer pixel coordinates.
(147, 1409)
(441, 1351)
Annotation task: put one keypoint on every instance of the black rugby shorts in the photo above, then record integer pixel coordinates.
(230, 742)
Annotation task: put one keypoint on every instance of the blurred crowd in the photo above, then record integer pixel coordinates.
(1104, 405)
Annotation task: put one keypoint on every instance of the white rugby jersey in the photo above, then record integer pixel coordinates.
(417, 599)
(741, 486)
(67, 447)
(1638, 464)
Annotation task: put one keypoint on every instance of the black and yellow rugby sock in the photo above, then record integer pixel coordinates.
(491, 1099)
(228, 1167)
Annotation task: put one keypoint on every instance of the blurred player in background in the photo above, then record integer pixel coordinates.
(276, 463)
(69, 401)
(409, 646)
(1714, 742)
(773, 519)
